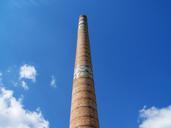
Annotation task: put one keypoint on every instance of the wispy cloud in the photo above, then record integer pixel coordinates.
(53, 82)
(14, 115)
(28, 72)
(23, 76)
(24, 85)
(155, 117)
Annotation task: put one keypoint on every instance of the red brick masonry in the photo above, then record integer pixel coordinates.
(83, 108)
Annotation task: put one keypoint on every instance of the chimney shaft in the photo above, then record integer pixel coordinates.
(83, 107)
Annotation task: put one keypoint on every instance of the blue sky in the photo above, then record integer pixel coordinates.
(130, 44)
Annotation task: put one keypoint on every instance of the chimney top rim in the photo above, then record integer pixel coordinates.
(83, 16)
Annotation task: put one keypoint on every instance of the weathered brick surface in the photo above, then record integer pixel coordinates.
(83, 87)
(83, 106)
(84, 102)
(83, 95)
(83, 112)
(84, 121)
(82, 81)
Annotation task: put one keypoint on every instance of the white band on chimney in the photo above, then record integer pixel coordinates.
(82, 22)
(83, 71)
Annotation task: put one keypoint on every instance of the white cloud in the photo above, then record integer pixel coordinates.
(53, 82)
(28, 72)
(14, 115)
(155, 117)
(24, 85)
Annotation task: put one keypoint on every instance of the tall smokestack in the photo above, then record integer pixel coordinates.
(83, 106)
